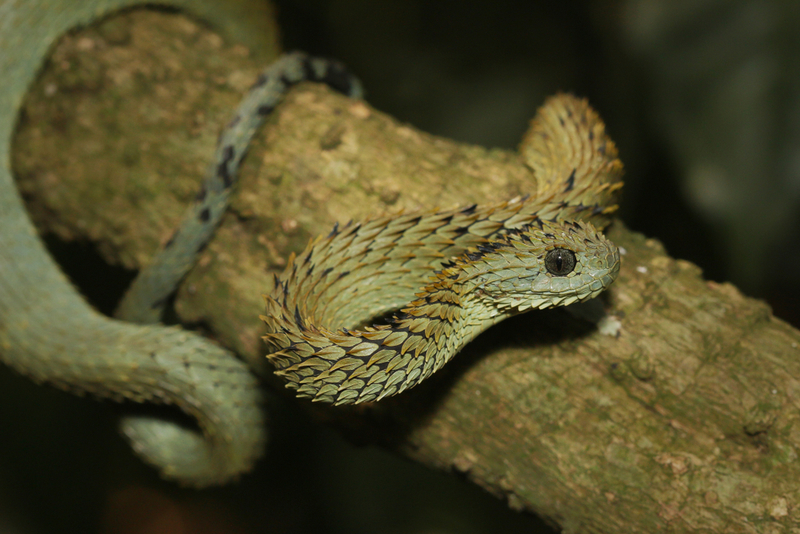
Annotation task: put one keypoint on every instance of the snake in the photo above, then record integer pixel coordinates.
(442, 276)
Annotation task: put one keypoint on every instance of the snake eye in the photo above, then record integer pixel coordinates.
(560, 261)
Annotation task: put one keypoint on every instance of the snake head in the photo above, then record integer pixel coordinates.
(543, 265)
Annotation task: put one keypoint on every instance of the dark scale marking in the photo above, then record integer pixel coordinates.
(561, 121)
(342, 275)
(236, 120)
(205, 215)
(520, 233)
(474, 256)
(202, 246)
(327, 271)
(513, 232)
(334, 231)
(308, 69)
(524, 232)
(597, 210)
(591, 135)
(469, 210)
(399, 318)
(602, 149)
(261, 81)
(397, 237)
(570, 182)
(490, 247)
(222, 169)
(159, 303)
(265, 109)
(549, 236)
(338, 78)
(299, 319)
(171, 240)
(286, 82)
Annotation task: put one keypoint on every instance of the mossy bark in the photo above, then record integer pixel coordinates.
(680, 415)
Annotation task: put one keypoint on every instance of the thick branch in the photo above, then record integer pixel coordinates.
(686, 419)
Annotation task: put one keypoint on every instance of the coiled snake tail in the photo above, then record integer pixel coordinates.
(48, 331)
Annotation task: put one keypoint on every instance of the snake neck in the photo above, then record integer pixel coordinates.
(355, 366)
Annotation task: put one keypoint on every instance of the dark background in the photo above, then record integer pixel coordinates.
(702, 100)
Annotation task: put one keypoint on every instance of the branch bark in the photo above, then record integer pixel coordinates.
(685, 419)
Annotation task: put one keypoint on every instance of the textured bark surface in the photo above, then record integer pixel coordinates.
(680, 416)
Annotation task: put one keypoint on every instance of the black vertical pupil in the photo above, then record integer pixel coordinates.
(560, 261)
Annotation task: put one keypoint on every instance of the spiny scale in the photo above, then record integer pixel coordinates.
(451, 274)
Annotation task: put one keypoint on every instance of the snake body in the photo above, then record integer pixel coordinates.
(521, 262)
(48, 331)
(450, 273)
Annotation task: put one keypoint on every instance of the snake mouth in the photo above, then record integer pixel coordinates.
(553, 301)
(549, 299)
